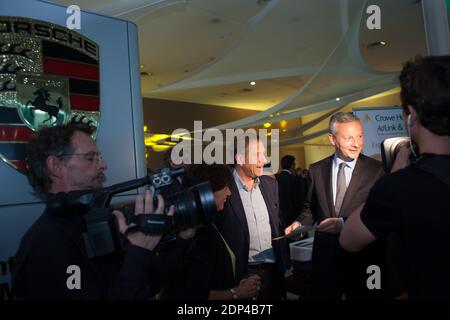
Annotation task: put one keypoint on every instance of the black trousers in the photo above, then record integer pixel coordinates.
(337, 273)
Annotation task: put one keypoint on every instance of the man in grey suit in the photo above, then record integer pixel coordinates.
(338, 187)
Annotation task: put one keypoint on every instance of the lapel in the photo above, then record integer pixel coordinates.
(355, 182)
(238, 208)
(270, 206)
(327, 184)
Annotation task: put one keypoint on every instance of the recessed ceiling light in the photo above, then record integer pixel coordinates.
(377, 44)
(252, 83)
(338, 99)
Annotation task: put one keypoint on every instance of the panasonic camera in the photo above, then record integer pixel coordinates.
(194, 205)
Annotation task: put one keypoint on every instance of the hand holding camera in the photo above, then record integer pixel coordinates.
(143, 205)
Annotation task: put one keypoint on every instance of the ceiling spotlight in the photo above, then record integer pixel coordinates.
(252, 83)
(377, 44)
(338, 99)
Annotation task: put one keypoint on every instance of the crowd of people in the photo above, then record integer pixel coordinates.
(362, 216)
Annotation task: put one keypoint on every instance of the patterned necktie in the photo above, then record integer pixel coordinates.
(341, 187)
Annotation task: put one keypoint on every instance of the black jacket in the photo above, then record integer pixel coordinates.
(335, 271)
(292, 193)
(53, 243)
(204, 264)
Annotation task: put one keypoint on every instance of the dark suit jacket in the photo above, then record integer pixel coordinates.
(330, 262)
(203, 265)
(234, 228)
(55, 242)
(292, 193)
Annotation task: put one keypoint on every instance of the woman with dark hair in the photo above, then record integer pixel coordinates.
(207, 270)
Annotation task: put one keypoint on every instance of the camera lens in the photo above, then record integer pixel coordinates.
(194, 206)
(166, 179)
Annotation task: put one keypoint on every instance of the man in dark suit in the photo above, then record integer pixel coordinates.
(291, 191)
(339, 186)
(250, 221)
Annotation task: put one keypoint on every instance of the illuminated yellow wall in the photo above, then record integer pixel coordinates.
(164, 116)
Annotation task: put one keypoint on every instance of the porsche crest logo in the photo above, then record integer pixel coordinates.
(49, 75)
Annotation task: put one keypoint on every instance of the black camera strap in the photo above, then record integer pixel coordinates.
(151, 224)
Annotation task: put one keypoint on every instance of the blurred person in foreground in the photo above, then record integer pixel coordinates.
(415, 200)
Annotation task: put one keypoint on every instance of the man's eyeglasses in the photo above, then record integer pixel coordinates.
(89, 156)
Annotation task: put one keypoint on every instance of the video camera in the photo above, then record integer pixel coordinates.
(390, 148)
(193, 206)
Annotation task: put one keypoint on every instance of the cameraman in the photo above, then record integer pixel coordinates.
(415, 199)
(52, 258)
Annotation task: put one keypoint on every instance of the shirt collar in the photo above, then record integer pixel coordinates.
(337, 161)
(241, 184)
